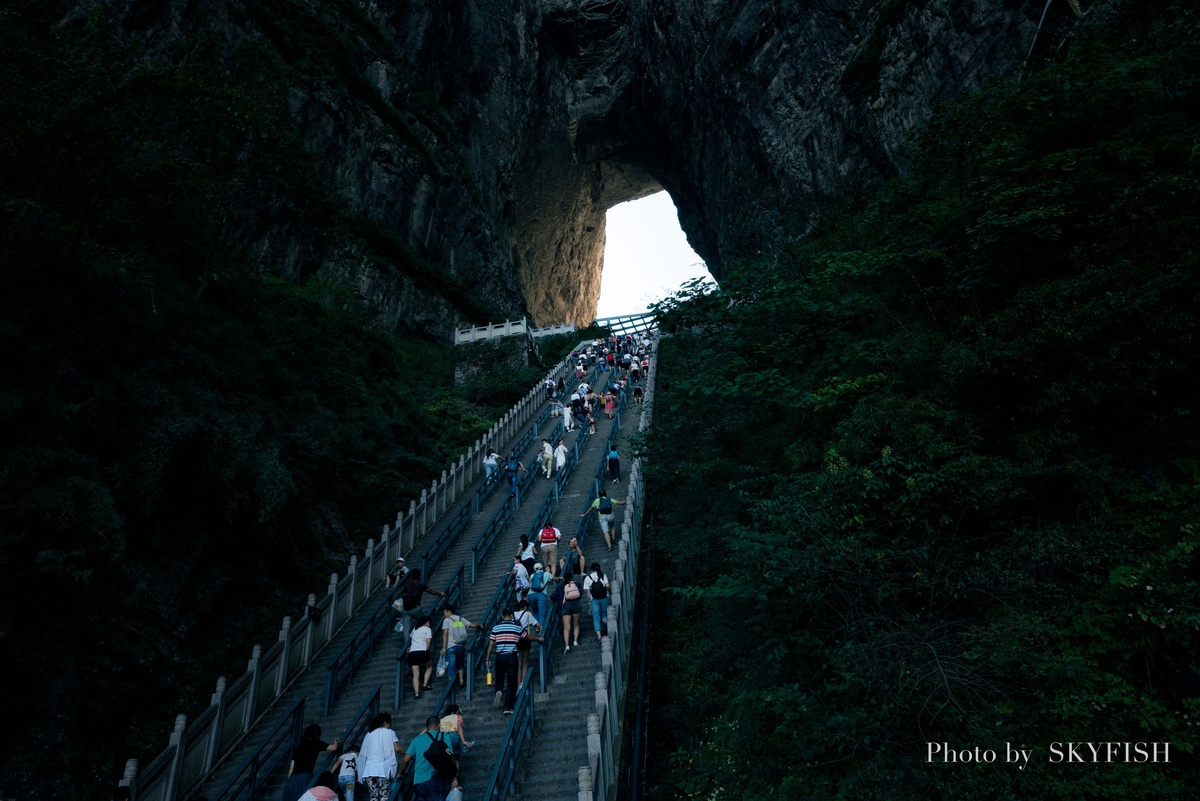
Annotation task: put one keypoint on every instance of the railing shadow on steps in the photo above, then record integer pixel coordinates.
(261, 765)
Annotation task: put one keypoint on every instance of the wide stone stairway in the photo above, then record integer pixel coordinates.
(470, 562)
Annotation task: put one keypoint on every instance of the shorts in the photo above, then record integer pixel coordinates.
(524, 645)
(606, 522)
(418, 658)
(571, 607)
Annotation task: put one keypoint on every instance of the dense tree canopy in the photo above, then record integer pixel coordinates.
(191, 438)
(933, 475)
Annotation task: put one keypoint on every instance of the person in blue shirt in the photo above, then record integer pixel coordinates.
(426, 785)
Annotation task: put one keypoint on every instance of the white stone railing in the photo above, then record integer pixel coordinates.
(551, 330)
(509, 328)
(195, 748)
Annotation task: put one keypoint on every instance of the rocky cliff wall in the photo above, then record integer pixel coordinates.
(489, 137)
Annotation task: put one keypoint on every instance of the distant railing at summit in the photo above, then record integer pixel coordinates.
(627, 323)
(620, 325)
(509, 328)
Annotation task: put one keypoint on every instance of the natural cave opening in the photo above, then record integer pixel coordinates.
(646, 256)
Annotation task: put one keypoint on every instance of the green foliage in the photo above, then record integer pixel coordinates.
(933, 478)
(190, 441)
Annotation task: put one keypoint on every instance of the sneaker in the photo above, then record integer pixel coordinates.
(499, 699)
(567, 650)
(508, 711)
(577, 643)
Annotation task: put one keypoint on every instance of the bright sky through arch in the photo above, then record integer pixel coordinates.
(646, 256)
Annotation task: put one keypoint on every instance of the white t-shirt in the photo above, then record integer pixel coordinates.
(527, 553)
(349, 766)
(522, 576)
(560, 456)
(419, 639)
(492, 458)
(591, 579)
(377, 757)
(524, 618)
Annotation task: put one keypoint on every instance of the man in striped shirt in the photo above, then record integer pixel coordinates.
(505, 636)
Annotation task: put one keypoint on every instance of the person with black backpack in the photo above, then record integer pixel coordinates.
(603, 507)
(433, 763)
(596, 586)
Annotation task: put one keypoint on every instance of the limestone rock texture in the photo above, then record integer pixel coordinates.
(542, 114)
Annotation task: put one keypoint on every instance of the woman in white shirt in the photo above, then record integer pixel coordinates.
(560, 456)
(419, 644)
(377, 757)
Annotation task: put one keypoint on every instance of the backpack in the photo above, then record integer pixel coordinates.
(571, 591)
(512, 466)
(598, 590)
(548, 535)
(458, 630)
(613, 455)
(438, 756)
(411, 594)
(606, 506)
(538, 582)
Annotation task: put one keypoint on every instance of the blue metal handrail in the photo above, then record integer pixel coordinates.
(445, 541)
(360, 646)
(520, 728)
(261, 765)
(483, 545)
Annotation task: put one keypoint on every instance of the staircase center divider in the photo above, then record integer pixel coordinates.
(194, 750)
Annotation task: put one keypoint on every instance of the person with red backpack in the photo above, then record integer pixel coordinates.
(548, 539)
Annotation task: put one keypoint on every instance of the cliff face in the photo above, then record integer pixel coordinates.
(490, 136)
(743, 110)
